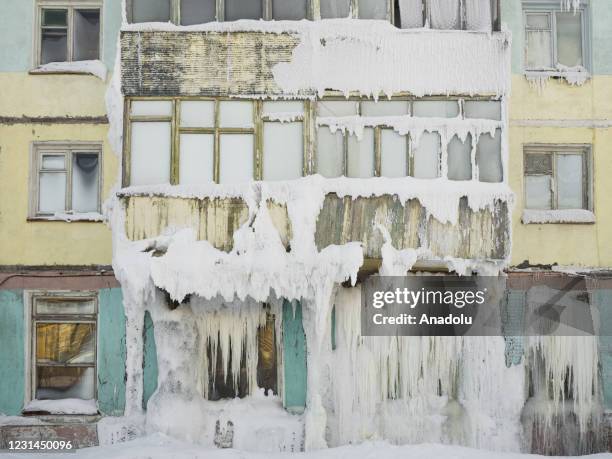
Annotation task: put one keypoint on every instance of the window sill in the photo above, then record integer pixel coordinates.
(569, 216)
(67, 406)
(90, 217)
(576, 76)
(95, 68)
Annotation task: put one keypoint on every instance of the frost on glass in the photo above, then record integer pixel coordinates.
(411, 13)
(337, 108)
(236, 114)
(53, 162)
(426, 156)
(483, 109)
(385, 108)
(488, 157)
(236, 158)
(197, 113)
(538, 21)
(569, 38)
(151, 108)
(85, 182)
(86, 35)
(283, 151)
(334, 9)
(65, 306)
(459, 158)
(243, 9)
(283, 106)
(373, 9)
(538, 52)
(53, 383)
(569, 181)
(538, 194)
(289, 10)
(435, 108)
(478, 15)
(52, 192)
(444, 14)
(197, 11)
(196, 163)
(151, 10)
(150, 153)
(393, 154)
(330, 153)
(361, 155)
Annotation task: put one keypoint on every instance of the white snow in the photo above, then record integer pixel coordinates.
(63, 406)
(75, 217)
(96, 68)
(575, 76)
(557, 216)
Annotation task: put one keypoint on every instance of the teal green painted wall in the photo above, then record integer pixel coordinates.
(12, 352)
(603, 299)
(150, 360)
(16, 33)
(294, 358)
(111, 352)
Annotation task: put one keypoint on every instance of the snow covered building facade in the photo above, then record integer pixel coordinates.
(263, 159)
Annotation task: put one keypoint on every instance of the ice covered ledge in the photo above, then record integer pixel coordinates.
(95, 68)
(532, 216)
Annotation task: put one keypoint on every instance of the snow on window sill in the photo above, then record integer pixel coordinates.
(65, 217)
(575, 76)
(96, 68)
(532, 216)
(62, 406)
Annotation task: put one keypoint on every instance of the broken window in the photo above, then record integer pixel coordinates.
(67, 179)
(64, 347)
(557, 177)
(68, 33)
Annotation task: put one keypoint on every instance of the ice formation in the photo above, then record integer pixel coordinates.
(558, 216)
(96, 68)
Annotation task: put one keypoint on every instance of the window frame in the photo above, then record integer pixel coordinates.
(70, 6)
(31, 299)
(68, 149)
(552, 7)
(555, 150)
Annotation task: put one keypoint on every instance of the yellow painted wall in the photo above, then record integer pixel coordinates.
(45, 242)
(565, 244)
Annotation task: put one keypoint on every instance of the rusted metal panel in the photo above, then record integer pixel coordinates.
(200, 63)
(80, 435)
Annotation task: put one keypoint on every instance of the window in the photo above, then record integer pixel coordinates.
(67, 32)
(557, 177)
(63, 329)
(554, 39)
(66, 179)
(481, 15)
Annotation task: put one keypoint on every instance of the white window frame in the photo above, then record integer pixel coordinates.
(69, 5)
(68, 149)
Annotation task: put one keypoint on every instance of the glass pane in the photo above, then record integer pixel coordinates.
(283, 145)
(488, 157)
(54, 46)
(197, 11)
(538, 21)
(569, 181)
(283, 107)
(54, 383)
(478, 15)
(427, 156)
(86, 35)
(330, 153)
(337, 108)
(538, 163)
(289, 10)
(196, 159)
(436, 108)
(152, 108)
(444, 14)
(52, 192)
(411, 13)
(569, 39)
(373, 9)
(539, 50)
(53, 162)
(361, 155)
(236, 158)
(65, 342)
(85, 182)
(55, 18)
(65, 306)
(150, 10)
(150, 154)
(243, 9)
(538, 194)
(385, 108)
(236, 114)
(334, 9)
(198, 113)
(267, 361)
(484, 109)
(393, 154)
(460, 158)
